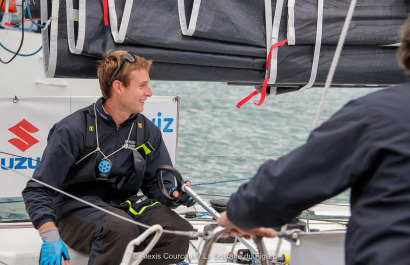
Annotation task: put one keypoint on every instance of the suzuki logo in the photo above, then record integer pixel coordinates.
(22, 130)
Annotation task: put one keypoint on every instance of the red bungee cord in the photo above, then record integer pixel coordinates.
(265, 82)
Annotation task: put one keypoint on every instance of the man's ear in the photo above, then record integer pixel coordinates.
(117, 86)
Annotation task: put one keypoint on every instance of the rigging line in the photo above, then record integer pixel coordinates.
(249, 156)
(198, 184)
(337, 204)
(29, 13)
(31, 18)
(217, 182)
(173, 232)
(13, 4)
(214, 195)
(5, 202)
(266, 100)
(21, 54)
(335, 60)
(22, 34)
(18, 24)
(12, 218)
(1, 152)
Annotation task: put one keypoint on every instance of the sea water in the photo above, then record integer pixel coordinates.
(218, 141)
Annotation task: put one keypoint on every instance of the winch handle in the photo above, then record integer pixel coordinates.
(160, 181)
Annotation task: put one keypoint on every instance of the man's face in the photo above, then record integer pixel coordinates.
(137, 92)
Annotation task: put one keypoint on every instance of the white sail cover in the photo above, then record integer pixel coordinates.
(228, 41)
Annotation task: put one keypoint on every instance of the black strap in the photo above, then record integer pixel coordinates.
(140, 129)
(90, 130)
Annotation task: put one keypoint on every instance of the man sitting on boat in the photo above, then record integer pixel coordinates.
(105, 154)
(365, 146)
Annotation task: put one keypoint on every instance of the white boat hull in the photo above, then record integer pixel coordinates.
(20, 244)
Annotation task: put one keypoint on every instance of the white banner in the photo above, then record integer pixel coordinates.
(26, 124)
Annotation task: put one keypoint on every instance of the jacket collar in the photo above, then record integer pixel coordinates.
(105, 116)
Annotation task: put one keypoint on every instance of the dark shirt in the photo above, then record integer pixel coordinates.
(365, 146)
(65, 146)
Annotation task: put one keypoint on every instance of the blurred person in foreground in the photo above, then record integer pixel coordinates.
(365, 146)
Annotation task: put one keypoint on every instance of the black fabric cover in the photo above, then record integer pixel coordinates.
(229, 42)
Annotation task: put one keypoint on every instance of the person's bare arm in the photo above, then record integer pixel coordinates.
(260, 231)
(46, 226)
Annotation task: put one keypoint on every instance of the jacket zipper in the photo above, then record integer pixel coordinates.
(115, 148)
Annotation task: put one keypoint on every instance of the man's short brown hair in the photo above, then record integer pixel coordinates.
(110, 63)
(403, 52)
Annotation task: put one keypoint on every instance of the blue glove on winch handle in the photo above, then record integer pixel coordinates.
(51, 252)
(184, 199)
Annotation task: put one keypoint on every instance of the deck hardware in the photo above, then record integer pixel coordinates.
(128, 254)
(293, 235)
(181, 186)
(211, 233)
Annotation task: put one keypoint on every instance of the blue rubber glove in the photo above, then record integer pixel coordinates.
(51, 252)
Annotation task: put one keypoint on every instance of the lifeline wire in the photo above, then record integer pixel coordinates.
(222, 181)
(197, 184)
(333, 69)
(335, 60)
(1, 152)
(180, 233)
(10, 202)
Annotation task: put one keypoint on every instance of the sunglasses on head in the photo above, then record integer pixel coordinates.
(127, 57)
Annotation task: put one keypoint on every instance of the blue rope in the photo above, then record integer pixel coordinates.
(253, 257)
(203, 214)
(11, 202)
(29, 13)
(13, 4)
(217, 182)
(19, 54)
(12, 218)
(31, 18)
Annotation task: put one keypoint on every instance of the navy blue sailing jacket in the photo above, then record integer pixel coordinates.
(365, 146)
(65, 147)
